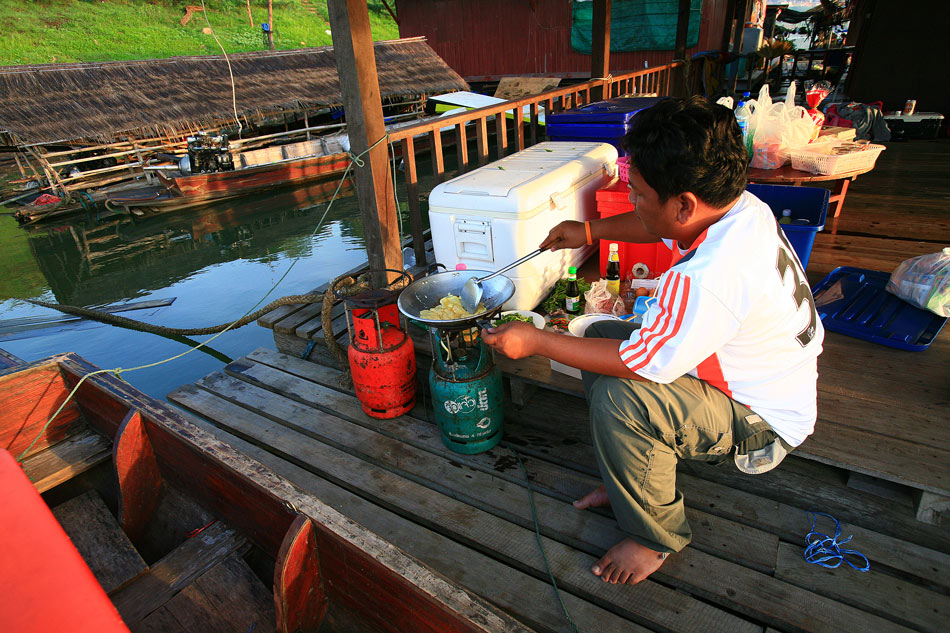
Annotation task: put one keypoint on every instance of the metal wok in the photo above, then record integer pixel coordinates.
(425, 293)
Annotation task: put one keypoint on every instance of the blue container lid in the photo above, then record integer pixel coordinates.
(854, 301)
(619, 110)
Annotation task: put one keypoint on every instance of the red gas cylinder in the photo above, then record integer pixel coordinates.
(381, 355)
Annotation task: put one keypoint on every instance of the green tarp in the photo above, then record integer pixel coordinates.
(635, 25)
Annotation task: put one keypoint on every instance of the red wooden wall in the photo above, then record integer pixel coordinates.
(480, 38)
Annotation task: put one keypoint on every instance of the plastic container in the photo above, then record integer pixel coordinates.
(623, 169)
(853, 301)
(613, 200)
(922, 125)
(809, 205)
(805, 159)
(605, 121)
(493, 215)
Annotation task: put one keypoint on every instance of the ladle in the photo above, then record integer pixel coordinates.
(472, 290)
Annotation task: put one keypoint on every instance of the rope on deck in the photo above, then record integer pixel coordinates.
(826, 551)
(106, 317)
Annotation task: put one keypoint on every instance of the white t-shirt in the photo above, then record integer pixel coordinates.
(736, 311)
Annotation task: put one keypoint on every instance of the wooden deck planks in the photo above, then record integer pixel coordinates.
(570, 448)
(907, 603)
(527, 598)
(482, 510)
(732, 541)
(400, 461)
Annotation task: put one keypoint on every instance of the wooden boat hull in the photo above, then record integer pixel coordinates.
(225, 184)
(320, 557)
(197, 190)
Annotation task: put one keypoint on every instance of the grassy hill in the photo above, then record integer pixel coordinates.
(49, 31)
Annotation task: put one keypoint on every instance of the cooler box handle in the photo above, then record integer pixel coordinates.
(473, 240)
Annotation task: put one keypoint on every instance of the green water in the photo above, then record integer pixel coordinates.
(216, 262)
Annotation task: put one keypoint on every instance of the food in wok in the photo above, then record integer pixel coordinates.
(449, 308)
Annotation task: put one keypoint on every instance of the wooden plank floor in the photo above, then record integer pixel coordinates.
(879, 461)
(469, 517)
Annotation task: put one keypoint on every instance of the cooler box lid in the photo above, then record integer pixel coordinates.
(619, 110)
(524, 181)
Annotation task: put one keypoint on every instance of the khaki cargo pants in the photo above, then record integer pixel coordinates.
(640, 430)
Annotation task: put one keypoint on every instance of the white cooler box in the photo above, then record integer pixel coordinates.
(498, 213)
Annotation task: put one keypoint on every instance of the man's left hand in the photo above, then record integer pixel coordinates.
(514, 340)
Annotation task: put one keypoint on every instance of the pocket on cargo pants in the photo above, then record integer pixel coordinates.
(705, 444)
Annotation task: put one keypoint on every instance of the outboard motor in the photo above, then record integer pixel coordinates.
(209, 154)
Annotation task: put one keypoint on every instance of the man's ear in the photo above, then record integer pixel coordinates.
(686, 206)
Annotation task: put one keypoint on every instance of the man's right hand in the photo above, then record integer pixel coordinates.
(567, 234)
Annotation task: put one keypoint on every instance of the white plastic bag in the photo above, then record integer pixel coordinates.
(924, 281)
(779, 128)
(599, 300)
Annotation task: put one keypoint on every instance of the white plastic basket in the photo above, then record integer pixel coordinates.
(804, 159)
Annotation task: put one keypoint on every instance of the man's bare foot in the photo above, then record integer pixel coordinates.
(596, 498)
(628, 562)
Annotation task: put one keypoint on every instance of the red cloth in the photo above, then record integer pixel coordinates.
(45, 585)
(46, 199)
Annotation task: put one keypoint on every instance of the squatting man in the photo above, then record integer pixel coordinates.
(725, 360)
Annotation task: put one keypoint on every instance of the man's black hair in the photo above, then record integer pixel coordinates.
(689, 145)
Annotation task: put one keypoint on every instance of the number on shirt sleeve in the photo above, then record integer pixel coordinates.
(786, 260)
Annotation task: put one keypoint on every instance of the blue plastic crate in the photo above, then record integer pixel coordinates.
(587, 133)
(809, 206)
(854, 301)
(613, 111)
(606, 121)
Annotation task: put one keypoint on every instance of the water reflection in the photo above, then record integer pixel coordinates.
(93, 262)
(217, 262)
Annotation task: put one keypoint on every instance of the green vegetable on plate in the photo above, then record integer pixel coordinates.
(513, 317)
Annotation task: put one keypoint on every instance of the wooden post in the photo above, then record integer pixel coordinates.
(359, 83)
(270, 23)
(250, 17)
(600, 46)
(742, 9)
(682, 27)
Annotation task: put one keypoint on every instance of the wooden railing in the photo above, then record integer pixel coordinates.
(511, 134)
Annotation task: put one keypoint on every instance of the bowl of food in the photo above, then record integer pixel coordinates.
(526, 316)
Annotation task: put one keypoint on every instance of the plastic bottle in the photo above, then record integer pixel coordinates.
(613, 270)
(572, 300)
(786, 217)
(743, 116)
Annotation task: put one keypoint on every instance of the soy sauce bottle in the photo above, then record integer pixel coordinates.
(572, 300)
(613, 270)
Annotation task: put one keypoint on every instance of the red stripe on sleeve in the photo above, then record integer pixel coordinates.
(681, 313)
(659, 325)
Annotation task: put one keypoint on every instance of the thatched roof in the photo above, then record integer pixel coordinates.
(59, 102)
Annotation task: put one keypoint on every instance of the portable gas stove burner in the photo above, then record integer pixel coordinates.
(466, 386)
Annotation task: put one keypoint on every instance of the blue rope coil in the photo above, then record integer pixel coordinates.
(824, 550)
